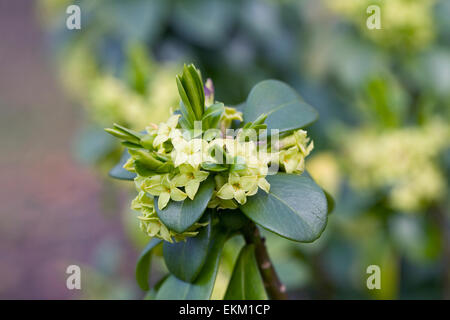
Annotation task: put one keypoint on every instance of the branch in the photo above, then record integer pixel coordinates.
(274, 288)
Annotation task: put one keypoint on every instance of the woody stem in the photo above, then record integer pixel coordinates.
(274, 288)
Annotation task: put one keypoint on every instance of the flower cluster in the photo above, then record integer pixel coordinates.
(171, 164)
(238, 175)
(152, 225)
(196, 151)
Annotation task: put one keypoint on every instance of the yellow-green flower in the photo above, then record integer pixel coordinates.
(218, 203)
(238, 187)
(298, 139)
(302, 142)
(167, 130)
(228, 116)
(294, 150)
(188, 152)
(150, 223)
(259, 170)
(143, 202)
(190, 179)
(148, 220)
(165, 188)
(292, 160)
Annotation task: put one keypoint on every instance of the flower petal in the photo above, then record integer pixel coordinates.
(264, 184)
(192, 188)
(177, 195)
(240, 196)
(200, 176)
(248, 182)
(226, 192)
(180, 180)
(163, 199)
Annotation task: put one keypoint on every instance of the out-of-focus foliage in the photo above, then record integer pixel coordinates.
(383, 97)
(147, 93)
(407, 24)
(403, 161)
(129, 92)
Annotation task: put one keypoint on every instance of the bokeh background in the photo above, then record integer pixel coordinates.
(381, 145)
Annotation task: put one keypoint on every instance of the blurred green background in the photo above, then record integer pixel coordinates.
(381, 145)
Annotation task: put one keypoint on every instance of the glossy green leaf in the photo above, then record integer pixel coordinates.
(246, 282)
(119, 172)
(330, 202)
(143, 264)
(330, 199)
(201, 289)
(295, 207)
(181, 215)
(284, 108)
(185, 259)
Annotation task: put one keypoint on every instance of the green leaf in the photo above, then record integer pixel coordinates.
(151, 294)
(119, 172)
(212, 166)
(143, 264)
(212, 116)
(187, 115)
(284, 108)
(246, 282)
(295, 207)
(260, 120)
(196, 90)
(185, 259)
(330, 199)
(142, 169)
(130, 132)
(122, 135)
(201, 289)
(148, 160)
(330, 202)
(131, 145)
(181, 215)
(125, 134)
(190, 88)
